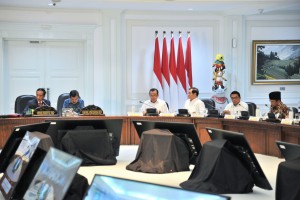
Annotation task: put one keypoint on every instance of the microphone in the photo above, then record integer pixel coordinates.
(152, 111)
(267, 105)
(213, 111)
(45, 103)
(31, 106)
(142, 102)
(243, 106)
(210, 106)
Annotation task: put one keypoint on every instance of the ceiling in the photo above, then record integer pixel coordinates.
(224, 7)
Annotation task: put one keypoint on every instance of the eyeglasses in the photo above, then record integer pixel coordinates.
(153, 95)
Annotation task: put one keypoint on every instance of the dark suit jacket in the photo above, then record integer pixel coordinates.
(33, 104)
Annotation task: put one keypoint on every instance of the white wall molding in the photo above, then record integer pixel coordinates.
(287, 28)
(50, 16)
(139, 59)
(53, 32)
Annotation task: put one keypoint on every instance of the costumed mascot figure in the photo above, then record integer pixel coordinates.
(219, 63)
(218, 79)
(219, 86)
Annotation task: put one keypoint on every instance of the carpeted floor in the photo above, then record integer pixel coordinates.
(127, 154)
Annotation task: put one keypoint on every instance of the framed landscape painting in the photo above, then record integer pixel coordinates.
(276, 62)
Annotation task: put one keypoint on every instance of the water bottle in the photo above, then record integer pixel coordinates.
(220, 110)
(257, 112)
(291, 113)
(133, 109)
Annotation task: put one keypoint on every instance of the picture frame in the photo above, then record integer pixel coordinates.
(276, 62)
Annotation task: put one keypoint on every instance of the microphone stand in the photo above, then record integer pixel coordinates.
(142, 102)
(45, 103)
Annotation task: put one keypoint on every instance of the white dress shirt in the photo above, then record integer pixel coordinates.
(194, 106)
(236, 109)
(160, 105)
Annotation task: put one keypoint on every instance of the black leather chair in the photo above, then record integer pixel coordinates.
(209, 104)
(168, 105)
(21, 102)
(60, 102)
(251, 108)
(295, 110)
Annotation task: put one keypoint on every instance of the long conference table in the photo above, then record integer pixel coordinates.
(260, 135)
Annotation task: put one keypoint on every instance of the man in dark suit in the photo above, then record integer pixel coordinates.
(39, 101)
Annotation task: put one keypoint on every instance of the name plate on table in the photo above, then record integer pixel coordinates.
(287, 121)
(134, 114)
(255, 119)
(167, 114)
(198, 115)
(229, 117)
(44, 112)
(91, 112)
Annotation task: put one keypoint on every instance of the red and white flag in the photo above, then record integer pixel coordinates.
(157, 75)
(188, 63)
(181, 73)
(173, 78)
(165, 71)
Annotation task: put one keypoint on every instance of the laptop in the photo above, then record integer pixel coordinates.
(186, 131)
(151, 112)
(213, 113)
(19, 162)
(183, 113)
(239, 140)
(272, 118)
(244, 115)
(108, 187)
(288, 150)
(54, 176)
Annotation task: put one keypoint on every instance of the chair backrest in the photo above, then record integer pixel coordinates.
(21, 102)
(168, 105)
(209, 104)
(251, 108)
(295, 110)
(60, 102)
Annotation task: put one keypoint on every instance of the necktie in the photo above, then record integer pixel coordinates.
(40, 104)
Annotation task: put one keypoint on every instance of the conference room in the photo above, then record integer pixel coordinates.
(106, 51)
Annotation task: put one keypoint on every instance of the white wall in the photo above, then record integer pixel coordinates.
(119, 49)
(275, 27)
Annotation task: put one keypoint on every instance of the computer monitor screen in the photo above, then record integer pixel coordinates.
(108, 187)
(29, 173)
(185, 131)
(15, 139)
(54, 176)
(19, 163)
(151, 112)
(288, 150)
(58, 128)
(246, 154)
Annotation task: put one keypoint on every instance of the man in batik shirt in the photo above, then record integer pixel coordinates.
(277, 107)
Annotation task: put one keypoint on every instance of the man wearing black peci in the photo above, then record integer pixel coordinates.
(39, 101)
(277, 107)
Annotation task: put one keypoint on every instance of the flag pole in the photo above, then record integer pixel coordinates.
(173, 77)
(188, 62)
(157, 74)
(165, 70)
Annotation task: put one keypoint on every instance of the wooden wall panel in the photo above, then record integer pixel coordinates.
(261, 136)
